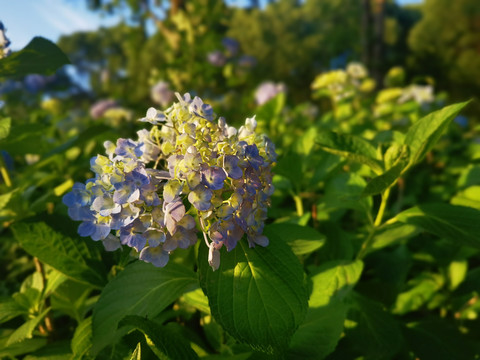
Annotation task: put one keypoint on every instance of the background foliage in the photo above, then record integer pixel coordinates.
(374, 224)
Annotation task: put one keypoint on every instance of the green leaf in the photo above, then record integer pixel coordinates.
(470, 197)
(25, 347)
(436, 339)
(54, 280)
(333, 278)
(167, 341)
(40, 56)
(82, 339)
(197, 299)
(457, 223)
(10, 309)
(424, 133)
(386, 180)
(424, 288)
(302, 239)
(70, 256)
(271, 108)
(457, 272)
(5, 127)
(352, 147)
(5, 198)
(56, 350)
(344, 191)
(375, 333)
(257, 295)
(319, 334)
(141, 289)
(26, 330)
(390, 234)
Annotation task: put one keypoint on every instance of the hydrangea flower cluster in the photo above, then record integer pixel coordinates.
(4, 42)
(267, 91)
(187, 172)
(340, 85)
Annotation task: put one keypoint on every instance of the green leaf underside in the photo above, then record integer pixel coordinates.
(302, 239)
(351, 147)
(40, 56)
(141, 289)
(165, 341)
(319, 334)
(424, 133)
(257, 295)
(71, 257)
(457, 223)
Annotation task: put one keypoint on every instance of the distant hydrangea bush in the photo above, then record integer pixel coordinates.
(187, 173)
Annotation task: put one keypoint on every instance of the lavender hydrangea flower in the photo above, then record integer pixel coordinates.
(231, 45)
(247, 61)
(268, 90)
(161, 94)
(223, 173)
(100, 108)
(213, 177)
(216, 58)
(4, 42)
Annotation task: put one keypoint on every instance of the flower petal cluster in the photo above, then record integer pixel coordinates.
(4, 43)
(187, 173)
(268, 90)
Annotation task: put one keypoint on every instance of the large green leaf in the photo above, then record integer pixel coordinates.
(302, 239)
(141, 289)
(40, 56)
(70, 256)
(82, 339)
(258, 295)
(424, 133)
(375, 333)
(318, 335)
(4, 127)
(351, 147)
(457, 223)
(166, 341)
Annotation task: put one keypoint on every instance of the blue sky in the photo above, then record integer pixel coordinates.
(25, 19)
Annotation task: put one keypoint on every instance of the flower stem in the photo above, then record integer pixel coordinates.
(378, 221)
(48, 318)
(298, 205)
(381, 209)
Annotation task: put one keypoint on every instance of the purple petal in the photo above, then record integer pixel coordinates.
(154, 255)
